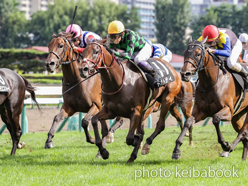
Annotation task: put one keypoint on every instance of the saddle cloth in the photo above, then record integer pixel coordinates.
(4, 87)
(165, 75)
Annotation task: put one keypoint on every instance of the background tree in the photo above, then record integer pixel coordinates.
(12, 25)
(172, 19)
(224, 16)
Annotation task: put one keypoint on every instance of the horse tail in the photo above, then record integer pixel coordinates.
(31, 90)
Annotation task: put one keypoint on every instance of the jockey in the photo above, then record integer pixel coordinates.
(81, 38)
(160, 51)
(135, 47)
(226, 44)
(244, 39)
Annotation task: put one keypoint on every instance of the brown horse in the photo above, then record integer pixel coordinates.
(216, 96)
(85, 97)
(125, 93)
(11, 103)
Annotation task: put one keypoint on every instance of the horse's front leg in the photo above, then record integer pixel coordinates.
(223, 114)
(64, 113)
(197, 115)
(104, 114)
(85, 123)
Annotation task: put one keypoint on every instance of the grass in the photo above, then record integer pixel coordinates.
(72, 161)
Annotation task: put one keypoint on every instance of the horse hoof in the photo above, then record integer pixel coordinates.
(145, 151)
(224, 154)
(130, 160)
(49, 145)
(110, 137)
(105, 154)
(187, 134)
(176, 156)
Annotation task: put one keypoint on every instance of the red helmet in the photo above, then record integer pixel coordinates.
(211, 31)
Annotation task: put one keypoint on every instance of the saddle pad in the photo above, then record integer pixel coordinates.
(165, 75)
(4, 87)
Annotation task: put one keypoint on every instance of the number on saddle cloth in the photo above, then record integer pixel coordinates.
(165, 75)
(4, 87)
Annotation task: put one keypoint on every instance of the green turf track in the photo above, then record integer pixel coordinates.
(72, 161)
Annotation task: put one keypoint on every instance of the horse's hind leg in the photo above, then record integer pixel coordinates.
(165, 106)
(241, 128)
(63, 114)
(118, 124)
(12, 122)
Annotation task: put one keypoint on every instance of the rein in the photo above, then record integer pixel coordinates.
(101, 60)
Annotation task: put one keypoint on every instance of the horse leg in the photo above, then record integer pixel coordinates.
(104, 135)
(118, 124)
(245, 143)
(186, 109)
(85, 123)
(165, 106)
(103, 114)
(63, 114)
(242, 135)
(134, 122)
(196, 116)
(223, 114)
(11, 116)
(140, 132)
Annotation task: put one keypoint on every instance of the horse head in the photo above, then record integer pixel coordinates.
(96, 55)
(193, 59)
(60, 50)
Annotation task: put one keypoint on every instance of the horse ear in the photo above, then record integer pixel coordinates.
(54, 35)
(190, 39)
(204, 41)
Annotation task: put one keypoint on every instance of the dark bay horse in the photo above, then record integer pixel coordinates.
(85, 97)
(11, 103)
(125, 93)
(216, 96)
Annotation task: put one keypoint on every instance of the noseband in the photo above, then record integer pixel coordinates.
(100, 63)
(190, 54)
(100, 59)
(61, 60)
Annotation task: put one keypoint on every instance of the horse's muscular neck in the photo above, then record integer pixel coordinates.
(111, 77)
(208, 76)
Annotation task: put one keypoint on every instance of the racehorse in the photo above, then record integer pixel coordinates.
(216, 96)
(125, 93)
(11, 103)
(84, 97)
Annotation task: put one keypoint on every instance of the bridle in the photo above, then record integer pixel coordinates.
(100, 63)
(61, 60)
(189, 53)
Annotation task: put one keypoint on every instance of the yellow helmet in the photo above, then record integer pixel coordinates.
(115, 27)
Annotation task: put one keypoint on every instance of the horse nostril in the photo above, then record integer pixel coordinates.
(52, 63)
(188, 74)
(86, 69)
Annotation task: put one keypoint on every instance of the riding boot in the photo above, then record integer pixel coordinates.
(148, 68)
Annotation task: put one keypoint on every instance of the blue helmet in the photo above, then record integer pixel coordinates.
(149, 42)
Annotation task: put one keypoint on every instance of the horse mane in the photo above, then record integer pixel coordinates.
(62, 34)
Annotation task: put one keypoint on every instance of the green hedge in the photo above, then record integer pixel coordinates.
(23, 60)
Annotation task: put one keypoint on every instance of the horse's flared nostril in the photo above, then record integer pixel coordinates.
(86, 69)
(52, 63)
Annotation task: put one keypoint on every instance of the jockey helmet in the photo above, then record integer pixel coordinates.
(243, 38)
(211, 31)
(74, 29)
(116, 27)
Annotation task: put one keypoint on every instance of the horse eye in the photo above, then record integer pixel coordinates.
(199, 54)
(61, 46)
